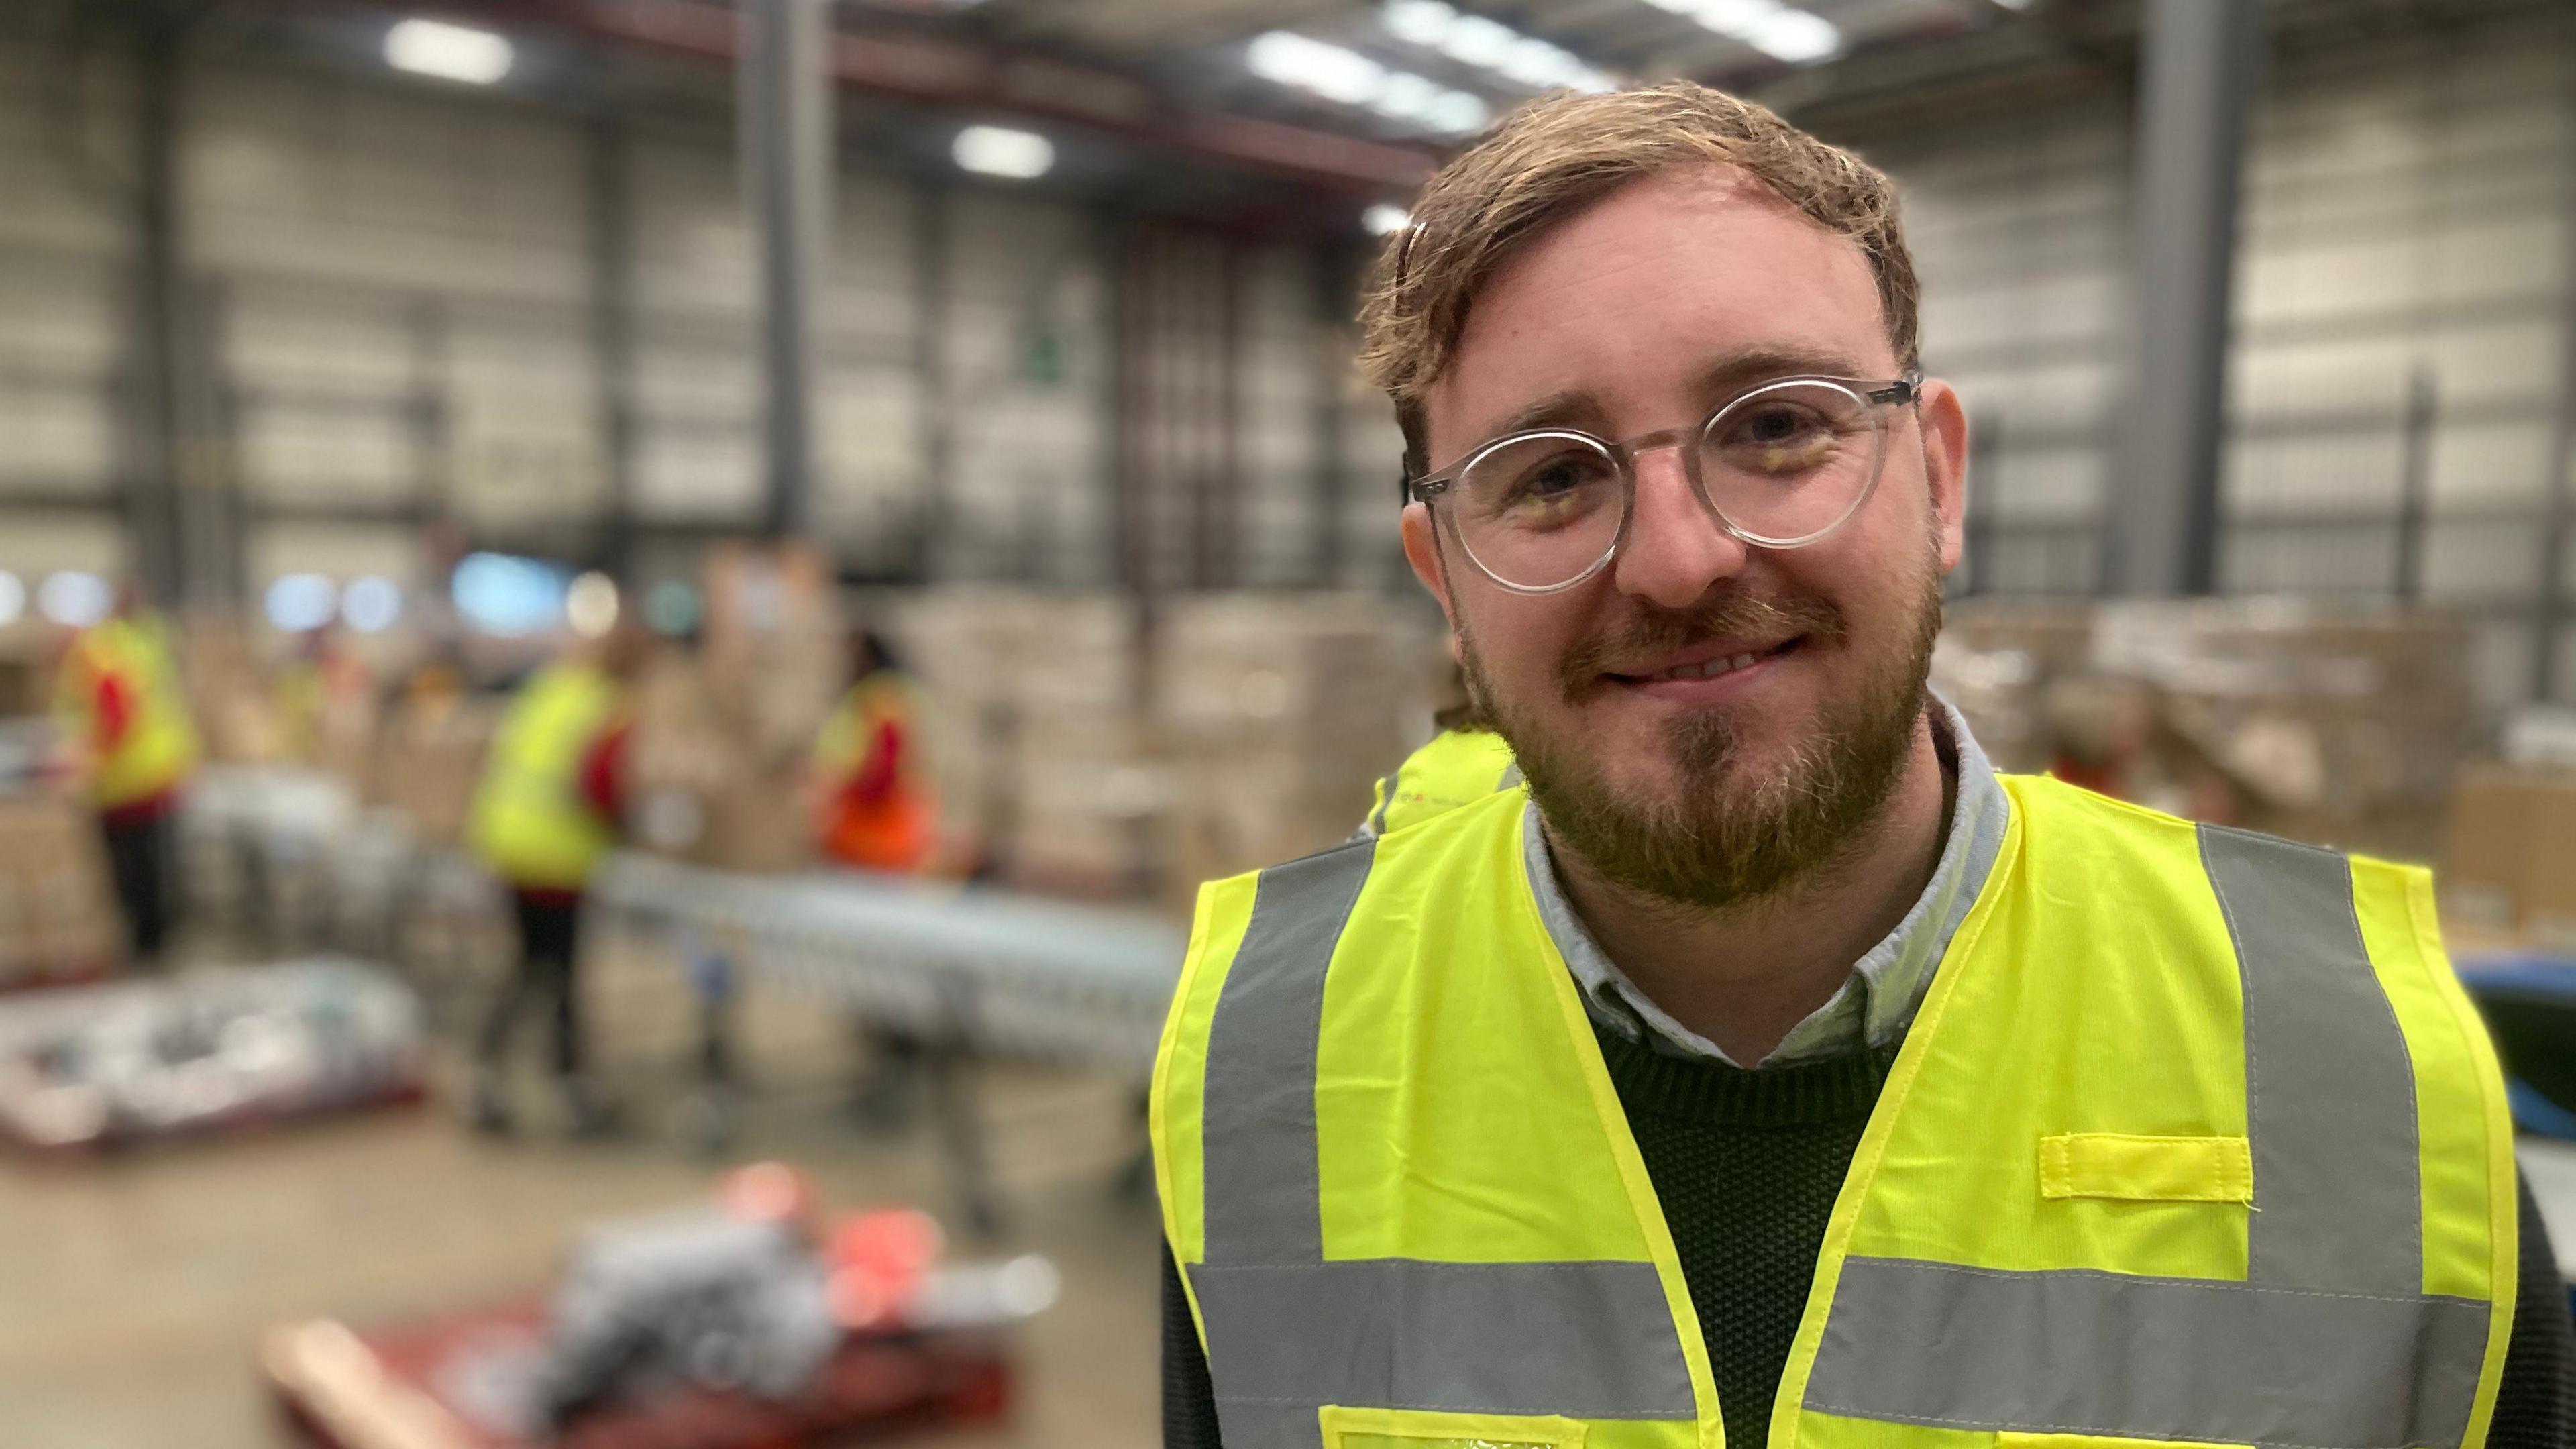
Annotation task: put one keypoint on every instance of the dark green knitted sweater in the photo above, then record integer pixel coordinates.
(1747, 1166)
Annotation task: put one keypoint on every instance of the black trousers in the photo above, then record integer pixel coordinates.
(549, 946)
(142, 859)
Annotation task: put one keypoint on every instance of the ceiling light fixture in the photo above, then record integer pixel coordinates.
(1490, 45)
(1385, 219)
(1352, 79)
(1782, 32)
(1004, 152)
(449, 52)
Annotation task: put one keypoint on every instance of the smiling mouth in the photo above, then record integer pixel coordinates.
(1713, 668)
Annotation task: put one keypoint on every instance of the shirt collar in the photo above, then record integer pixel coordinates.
(1875, 1005)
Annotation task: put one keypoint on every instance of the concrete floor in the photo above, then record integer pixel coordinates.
(135, 1288)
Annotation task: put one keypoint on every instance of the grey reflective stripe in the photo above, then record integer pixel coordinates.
(2178, 1358)
(1287, 1331)
(1376, 824)
(1587, 1340)
(2330, 1343)
(1258, 1123)
(2329, 1087)
(1268, 1426)
(1511, 777)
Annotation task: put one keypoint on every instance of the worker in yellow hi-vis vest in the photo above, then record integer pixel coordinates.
(550, 808)
(122, 711)
(1766, 1069)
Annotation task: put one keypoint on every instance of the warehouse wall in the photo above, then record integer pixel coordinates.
(2406, 232)
(62, 260)
(398, 293)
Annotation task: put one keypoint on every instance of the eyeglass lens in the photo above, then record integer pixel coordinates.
(1781, 465)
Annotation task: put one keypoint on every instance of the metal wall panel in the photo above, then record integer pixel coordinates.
(2405, 233)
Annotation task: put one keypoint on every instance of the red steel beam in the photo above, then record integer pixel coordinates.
(975, 76)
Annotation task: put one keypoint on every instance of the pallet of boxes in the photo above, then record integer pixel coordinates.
(722, 737)
(1037, 733)
(2339, 725)
(58, 921)
(1090, 744)
(1279, 714)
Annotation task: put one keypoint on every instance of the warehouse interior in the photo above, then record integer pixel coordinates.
(382, 355)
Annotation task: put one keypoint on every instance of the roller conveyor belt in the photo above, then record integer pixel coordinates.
(1004, 973)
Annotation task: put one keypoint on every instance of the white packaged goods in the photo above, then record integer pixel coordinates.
(97, 1065)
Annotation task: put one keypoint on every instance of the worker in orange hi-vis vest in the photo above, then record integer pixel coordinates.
(875, 810)
(123, 714)
(874, 804)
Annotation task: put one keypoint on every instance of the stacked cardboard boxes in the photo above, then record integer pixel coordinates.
(1280, 712)
(57, 915)
(428, 759)
(227, 692)
(2510, 870)
(1089, 744)
(1044, 761)
(2343, 725)
(703, 792)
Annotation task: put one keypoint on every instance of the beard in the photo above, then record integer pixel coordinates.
(1727, 834)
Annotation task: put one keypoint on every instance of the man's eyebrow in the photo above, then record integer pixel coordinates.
(1729, 373)
(1716, 380)
(1557, 409)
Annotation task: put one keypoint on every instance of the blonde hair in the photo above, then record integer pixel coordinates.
(1558, 155)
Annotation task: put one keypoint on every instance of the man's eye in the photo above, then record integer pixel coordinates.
(1557, 477)
(1775, 440)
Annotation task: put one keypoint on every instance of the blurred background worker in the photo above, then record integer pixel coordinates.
(550, 808)
(875, 807)
(323, 696)
(1462, 764)
(120, 705)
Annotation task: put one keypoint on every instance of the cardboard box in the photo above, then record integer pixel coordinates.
(427, 762)
(57, 909)
(2511, 861)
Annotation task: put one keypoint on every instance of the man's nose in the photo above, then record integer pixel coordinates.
(1675, 551)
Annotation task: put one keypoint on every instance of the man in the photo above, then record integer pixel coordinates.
(550, 808)
(121, 706)
(1770, 1071)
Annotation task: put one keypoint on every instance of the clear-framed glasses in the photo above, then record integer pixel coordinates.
(1780, 467)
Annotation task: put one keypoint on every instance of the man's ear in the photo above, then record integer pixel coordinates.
(1422, 550)
(1944, 424)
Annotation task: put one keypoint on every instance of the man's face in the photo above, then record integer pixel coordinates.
(1644, 312)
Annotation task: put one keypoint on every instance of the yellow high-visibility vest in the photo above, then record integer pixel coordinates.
(159, 747)
(1458, 767)
(530, 822)
(2195, 1139)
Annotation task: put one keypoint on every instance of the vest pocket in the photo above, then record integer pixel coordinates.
(1346, 1428)
(2146, 1169)
(2010, 1439)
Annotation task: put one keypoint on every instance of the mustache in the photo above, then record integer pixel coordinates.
(1652, 631)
